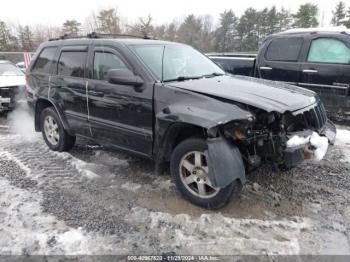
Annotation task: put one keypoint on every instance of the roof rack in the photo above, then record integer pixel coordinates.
(98, 35)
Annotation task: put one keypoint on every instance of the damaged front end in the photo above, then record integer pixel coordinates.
(8, 98)
(284, 140)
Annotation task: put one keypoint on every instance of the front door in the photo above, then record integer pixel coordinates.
(120, 115)
(326, 70)
(279, 61)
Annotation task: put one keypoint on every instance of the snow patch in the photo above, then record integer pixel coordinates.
(343, 137)
(109, 159)
(9, 156)
(131, 186)
(218, 234)
(343, 141)
(25, 229)
(82, 166)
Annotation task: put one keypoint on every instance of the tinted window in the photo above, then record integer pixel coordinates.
(44, 61)
(105, 61)
(71, 63)
(328, 50)
(284, 49)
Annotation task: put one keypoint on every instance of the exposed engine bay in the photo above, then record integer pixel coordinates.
(284, 140)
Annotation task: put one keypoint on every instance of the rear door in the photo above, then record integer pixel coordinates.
(119, 115)
(279, 59)
(68, 86)
(326, 70)
(39, 73)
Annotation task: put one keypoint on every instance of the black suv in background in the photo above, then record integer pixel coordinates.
(314, 58)
(170, 103)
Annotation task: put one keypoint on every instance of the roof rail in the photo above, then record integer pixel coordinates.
(98, 35)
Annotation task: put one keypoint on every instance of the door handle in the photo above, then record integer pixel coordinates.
(265, 68)
(96, 93)
(310, 71)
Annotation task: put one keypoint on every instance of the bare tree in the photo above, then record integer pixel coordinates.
(144, 27)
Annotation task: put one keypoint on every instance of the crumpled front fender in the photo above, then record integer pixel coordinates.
(225, 162)
(197, 109)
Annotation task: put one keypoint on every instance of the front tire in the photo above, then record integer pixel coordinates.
(189, 169)
(54, 134)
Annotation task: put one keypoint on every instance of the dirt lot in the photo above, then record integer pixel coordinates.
(93, 201)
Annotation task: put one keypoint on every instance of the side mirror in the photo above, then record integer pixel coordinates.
(124, 77)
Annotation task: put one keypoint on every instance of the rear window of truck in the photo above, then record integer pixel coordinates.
(284, 49)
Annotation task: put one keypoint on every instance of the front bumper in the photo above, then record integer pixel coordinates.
(8, 98)
(294, 155)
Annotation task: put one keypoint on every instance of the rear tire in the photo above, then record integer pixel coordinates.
(188, 167)
(54, 134)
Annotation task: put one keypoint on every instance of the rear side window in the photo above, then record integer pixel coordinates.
(72, 63)
(104, 61)
(284, 49)
(329, 50)
(44, 61)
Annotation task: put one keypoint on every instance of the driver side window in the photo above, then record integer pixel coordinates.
(329, 50)
(104, 61)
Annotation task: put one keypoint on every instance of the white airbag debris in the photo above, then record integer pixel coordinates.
(297, 141)
(320, 143)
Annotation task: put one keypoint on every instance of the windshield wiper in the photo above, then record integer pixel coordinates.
(182, 78)
(213, 75)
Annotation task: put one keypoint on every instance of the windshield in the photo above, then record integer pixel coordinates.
(10, 70)
(180, 62)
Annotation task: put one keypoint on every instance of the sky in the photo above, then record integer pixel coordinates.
(163, 11)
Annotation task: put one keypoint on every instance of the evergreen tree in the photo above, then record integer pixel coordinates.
(306, 16)
(71, 27)
(248, 30)
(347, 20)
(339, 14)
(285, 19)
(170, 33)
(226, 32)
(25, 38)
(190, 30)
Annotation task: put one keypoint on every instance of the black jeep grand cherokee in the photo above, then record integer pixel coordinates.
(170, 103)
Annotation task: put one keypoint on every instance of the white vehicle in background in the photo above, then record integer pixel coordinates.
(22, 66)
(12, 82)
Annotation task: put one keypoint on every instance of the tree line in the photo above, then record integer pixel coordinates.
(232, 33)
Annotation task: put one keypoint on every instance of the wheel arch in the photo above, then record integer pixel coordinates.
(175, 134)
(40, 105)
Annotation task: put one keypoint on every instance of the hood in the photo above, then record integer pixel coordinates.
(9, 81)
(263, 94)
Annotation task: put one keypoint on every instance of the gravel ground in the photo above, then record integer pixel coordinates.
(94, 201)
